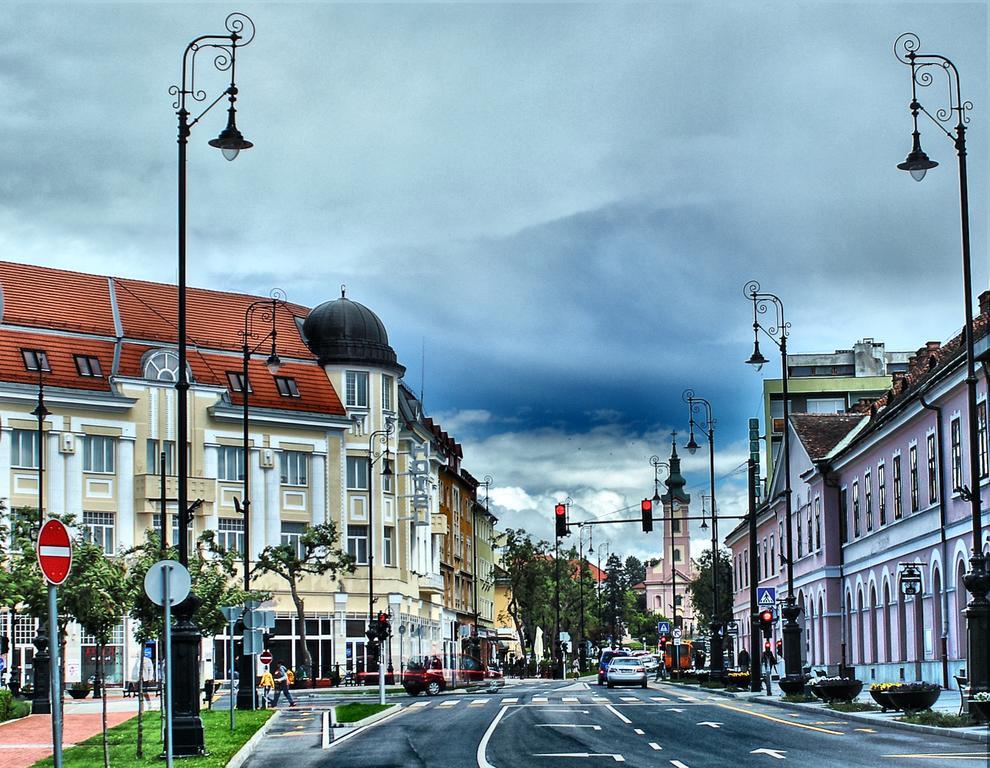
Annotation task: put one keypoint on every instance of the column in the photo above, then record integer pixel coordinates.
(258, 504)
(125, 495)
(272, 524)
(318, 494)
(5, 438)
(211, 516)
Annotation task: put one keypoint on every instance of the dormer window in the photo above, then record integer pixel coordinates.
(87, 365)
(162, 365)
(236, 382)
(286, 386)
(35, 360)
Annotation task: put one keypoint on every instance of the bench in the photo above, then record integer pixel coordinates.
(963, 682)
(131, 688)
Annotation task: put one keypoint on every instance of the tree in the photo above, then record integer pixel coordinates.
(98, 582)
(635, 570)
(614, 596)
(317, 554)
(529, 570)
(700, 589)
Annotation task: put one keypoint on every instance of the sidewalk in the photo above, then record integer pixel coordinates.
(948, 703)
(25, 741)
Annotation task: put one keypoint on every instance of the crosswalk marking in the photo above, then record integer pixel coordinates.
(478, 703)
(659, 698)
(638, 731)
(628, 698)
(540, 699)
(569, 698)
(420, 704)
(510, 699)
(599, 698)
(448, 704)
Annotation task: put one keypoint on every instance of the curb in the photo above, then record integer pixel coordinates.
(251, 744)
(952, 733)
(392, 709)
(351, 729)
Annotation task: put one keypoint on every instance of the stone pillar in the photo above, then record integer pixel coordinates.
(41, 679)
(187, 726)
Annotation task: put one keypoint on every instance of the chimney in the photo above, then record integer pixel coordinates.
(932, 345)
(984, 300)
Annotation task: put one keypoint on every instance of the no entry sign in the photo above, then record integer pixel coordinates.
(54, 552)
(265, 657)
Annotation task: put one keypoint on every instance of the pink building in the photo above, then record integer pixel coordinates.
(873, 492)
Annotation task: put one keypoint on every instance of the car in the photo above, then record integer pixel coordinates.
(603, 661)
(649, 661)
(427, 674)
(626, 671)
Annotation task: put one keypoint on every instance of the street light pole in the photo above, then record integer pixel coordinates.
(778, 332)
(245, 691)
(187, 725)
(695, 404)
(977, 580)
(583, 650)
(382, 436)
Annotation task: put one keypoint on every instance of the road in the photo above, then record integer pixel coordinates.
(577, 725)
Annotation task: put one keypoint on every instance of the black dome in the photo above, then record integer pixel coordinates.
(343, 331)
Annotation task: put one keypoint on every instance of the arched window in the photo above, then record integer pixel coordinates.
(162, 365)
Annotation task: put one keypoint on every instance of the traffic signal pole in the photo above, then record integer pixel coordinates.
(754, 643)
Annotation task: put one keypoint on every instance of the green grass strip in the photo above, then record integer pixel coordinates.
(357, 710)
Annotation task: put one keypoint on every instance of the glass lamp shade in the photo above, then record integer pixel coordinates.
(273, 363)
(704, 524)
(230, 141)
(757, 357)
(656, 496)
(386, 468)
(692, 446)
(917, 162)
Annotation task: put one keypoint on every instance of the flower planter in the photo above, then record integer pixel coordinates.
(910, 701)
(79, 693)
(791, 685)
(883, 699)
(980, 710)
(845, 691)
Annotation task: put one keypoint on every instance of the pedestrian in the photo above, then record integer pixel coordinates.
(281, 680)
(744, 659)
(267, 685)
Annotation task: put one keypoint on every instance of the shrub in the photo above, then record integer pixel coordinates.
(713, 684)
(11, 707)
(799, 698)
(905, 687)
(940, 719)
(852, 706)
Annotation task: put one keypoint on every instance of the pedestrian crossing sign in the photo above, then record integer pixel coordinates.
(663, 627)
(766, 597)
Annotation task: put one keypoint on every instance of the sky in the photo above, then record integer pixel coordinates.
(552, 207)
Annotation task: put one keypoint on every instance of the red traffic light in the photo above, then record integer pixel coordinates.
(560, 510)
(663, 640)
(766, 616)
(646, 511)
(780, 645)
(382, 617)
(560, 514)
(766, 645)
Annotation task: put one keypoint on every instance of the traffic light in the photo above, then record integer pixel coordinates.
(766, 621)
(663, 642)
(766, 646)
(384, 626)
(4, 644)
(780, 647)
(646, 510)
(560, 514)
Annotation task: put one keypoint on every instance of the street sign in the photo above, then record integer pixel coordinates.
(265, 657)
(54, 552)
(254, 642)
(766, 597)
(676, 634)
(733, 627)
(232, 612)
(178, 582)
(565, 637)
(663, 627)
(402, 629)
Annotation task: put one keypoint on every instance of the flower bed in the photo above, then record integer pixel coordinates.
(906, 697)
(830, 689)
(979, 707)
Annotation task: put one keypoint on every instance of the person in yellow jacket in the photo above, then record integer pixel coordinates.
(267, 684)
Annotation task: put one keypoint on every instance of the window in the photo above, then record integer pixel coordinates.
(957, 480)
(898, 510)
(766, 570)
(153, 456)
(295, 467)
(162, 365)
(818, 523)
(856, 531)
(932, 470)
(746, 567)
(677, 555)
(230, 534)
(882, 493)
(88, 366)
(357, 543)
(844, 515)
(98, 529)
(811, 538)
(981, 431)
(356, 388)
(827, 405)
(388, 545)
(235, 381)
(357, 473)
(173, 537)
(777, 416)
(230, 464)
(24, 448)
(35, 360)
(779, 564)
(292, 534)
(675, 525)
(773, 551)
(868, 493)
(913, 462)
(287, 386)
(387, 385)
(98, 453)
(800, 540)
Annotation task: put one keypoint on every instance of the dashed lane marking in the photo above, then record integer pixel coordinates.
(569, 699)
(943, 756)
(568, 725)
(618, 714)
(687, 698)
(655, 746)
(780, 720)
(678, 764)
(478, 703)
(638, 731)
(448, 704)
(420, 704)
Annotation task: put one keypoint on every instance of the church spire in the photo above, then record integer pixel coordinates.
(676, 481)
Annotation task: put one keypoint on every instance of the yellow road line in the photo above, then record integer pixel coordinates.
(945, 756)
(785, 722)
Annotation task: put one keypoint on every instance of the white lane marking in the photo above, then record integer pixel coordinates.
(568, 725)
(777, 753)
(448, 703)
(397, 711)
(510, 699)
(638, 731)
(618, 714)
(659, 698)
(483, 744)
(673, 709)
(678, 764)
(655, 746)
(540, 699)
(568, 709)
(628, 698)
(617, 758)
(420, 704)
(599, 698)
(569, 698)
(710, 724)
(481, 701)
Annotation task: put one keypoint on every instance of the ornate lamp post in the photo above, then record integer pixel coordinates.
(267, 307)
(793, 681)
(695, 405)
(977, 580)
(582, 568)
(187, 726)
(381, 437)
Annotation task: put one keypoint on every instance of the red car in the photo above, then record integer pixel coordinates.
(427, 673)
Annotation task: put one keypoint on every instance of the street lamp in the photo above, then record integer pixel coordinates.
(558, 652)
(695, 405)
(583, 650)
(977, 580)
(657, 463)
(778, 333)
(187, 725)
(267, 307)
(598, 583)
(43, 701)
(381, 436)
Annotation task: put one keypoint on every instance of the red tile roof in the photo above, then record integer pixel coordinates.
(821, 432)
(40, 297)
(60, 351)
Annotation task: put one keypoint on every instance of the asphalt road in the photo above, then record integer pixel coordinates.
(577, 725)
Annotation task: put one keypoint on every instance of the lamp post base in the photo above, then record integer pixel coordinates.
(977, 614)
(717, 651)
(245, 682)
(187, 726)
(791, 631)
(41, 699)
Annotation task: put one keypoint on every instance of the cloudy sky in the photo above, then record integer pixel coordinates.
(555, 206)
